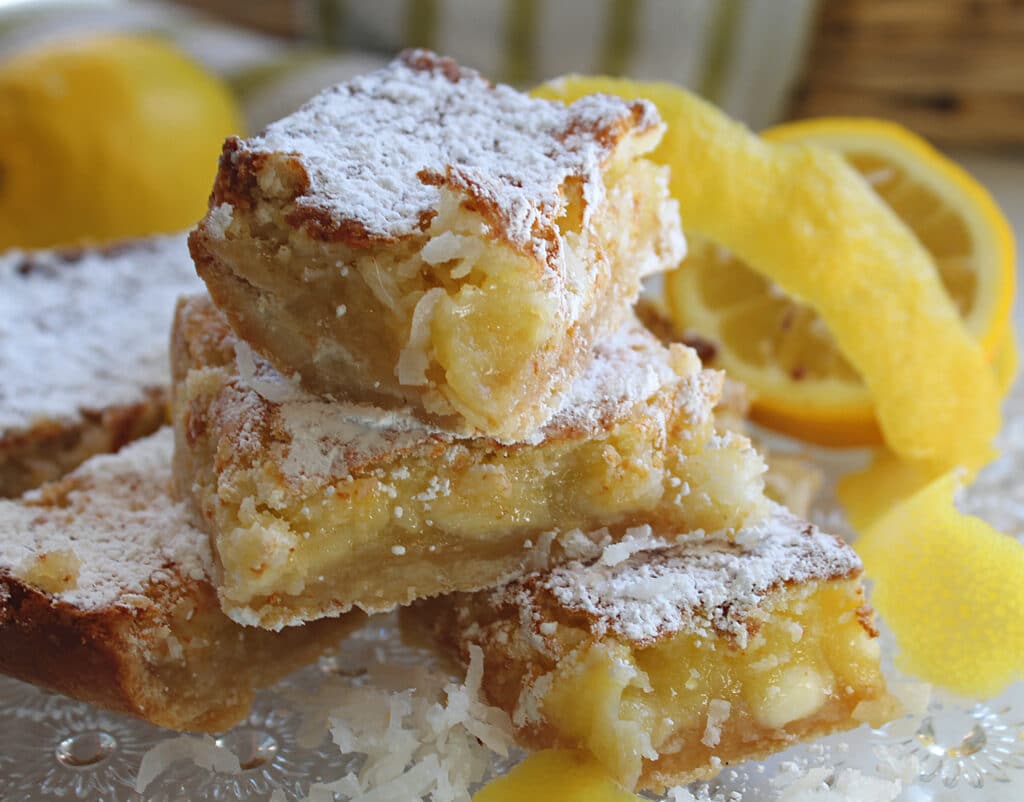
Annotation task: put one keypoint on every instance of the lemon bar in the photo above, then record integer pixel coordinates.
(792, 478)
(105, 596)
(420, 237)
(316, 506)
(667, 664)
(83, 352)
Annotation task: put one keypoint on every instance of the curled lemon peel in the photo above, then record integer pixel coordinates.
(954, 215)
(555, 775)
(1006, 362)
(805, 219)
(869, 493)
(951, 588)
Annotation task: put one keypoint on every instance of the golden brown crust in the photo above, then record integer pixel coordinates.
(116, 657)
(426, 61)
(103, 596)
(237, 184)
(238, 171)
(63, 648)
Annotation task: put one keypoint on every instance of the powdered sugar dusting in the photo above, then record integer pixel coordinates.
(702, 584)
(86, 331)
(118, 520)
(629, 367)
(368, 145)
(329, 439)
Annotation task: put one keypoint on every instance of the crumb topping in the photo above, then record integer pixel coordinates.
(375, 148)
(83, 331)
(701, 584)
(115, 517)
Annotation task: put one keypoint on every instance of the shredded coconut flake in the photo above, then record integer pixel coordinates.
(219, 218)
(426, 742)
(843, 785)
(413, 361)
(718, 714)
(202, 750)
(634, 541)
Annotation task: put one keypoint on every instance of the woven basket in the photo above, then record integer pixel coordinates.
(951, 69)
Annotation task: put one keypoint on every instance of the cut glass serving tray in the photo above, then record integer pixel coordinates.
(949, 750)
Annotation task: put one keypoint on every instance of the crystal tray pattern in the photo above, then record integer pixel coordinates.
(951, 750)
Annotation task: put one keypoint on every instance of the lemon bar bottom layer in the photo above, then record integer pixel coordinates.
(668, 664)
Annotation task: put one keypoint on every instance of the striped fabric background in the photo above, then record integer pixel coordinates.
(742, 54)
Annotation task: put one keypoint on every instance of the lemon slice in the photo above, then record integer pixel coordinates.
(806, 221)
(800, 382)
(952, 590)
(555, 775)
(803, 385)
(869, 493)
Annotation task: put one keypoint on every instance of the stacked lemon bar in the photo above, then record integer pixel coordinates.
(418, 378)
(105, 590)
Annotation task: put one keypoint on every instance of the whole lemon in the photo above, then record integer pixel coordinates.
(106, 137)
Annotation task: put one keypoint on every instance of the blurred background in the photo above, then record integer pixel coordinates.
(953, 70)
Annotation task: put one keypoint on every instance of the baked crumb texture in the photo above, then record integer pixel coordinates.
(104, 596)
(316, 506)
(792, 479)
(420, 238)
(670, 663)
(83, 352)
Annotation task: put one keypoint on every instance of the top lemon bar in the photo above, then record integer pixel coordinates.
(420, 237)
